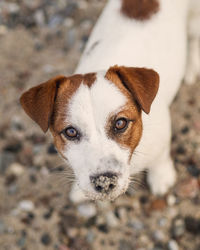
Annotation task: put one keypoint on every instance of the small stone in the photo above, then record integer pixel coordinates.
(193, 170)
(178, 227)
(90, 237)
(39, 17)
(122, 214)
(46, 239)
(2, 227)
(125, 245)
(103, 228)
(185, 130)
(13, 147)
(55, 21)
(69, 22)
(3, 30)
(159, 236)
(192, 225)
(71, 38)
(188, 188)
(26, 205)
(172, 245)
(158, 204)
(111, 219)
(136, 224)
(16, 169)
(87, 210)
(51, 149)
(171, 200)
(6, 159)
(13, 8)
(180, 150)
(48, 68)
(12, 189)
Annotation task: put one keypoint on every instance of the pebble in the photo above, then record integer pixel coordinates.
(55, 21)
(185, 130)
(158, 204)
(6, 158)
(71, 38)
(16, 169)
(188, 188)
(26, 205)
(171, 200)
(180, 150)
(178, 227)
(172, 245)
(69, 22)
(13, 189)
(136, 224)
(87, 210)
(39, 18)
(46, 239)
(193, 170)
(2, 227)
(90, 237)
(13, 8)
(51, 149)
(192, 225)
(159, 235)
(103, 228)
(125, 245)
(111, 220)
(48, 68)
(122, 214)
(15, 147)
(3, 30)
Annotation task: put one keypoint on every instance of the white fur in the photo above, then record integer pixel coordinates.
(159, 43)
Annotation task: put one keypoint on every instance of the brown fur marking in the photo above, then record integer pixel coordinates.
(65, 92)
(141, 83)
(140, 9)
(131, 137)
(46, 103)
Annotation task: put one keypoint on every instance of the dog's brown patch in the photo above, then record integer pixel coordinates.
(139, 9)
(131, 137)
(60, 107)
(89, 79)
(140, 86)
(46, 103)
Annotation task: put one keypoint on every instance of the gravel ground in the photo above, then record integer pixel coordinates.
(40, 39)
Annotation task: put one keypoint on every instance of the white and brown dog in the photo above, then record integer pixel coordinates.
(101, 121)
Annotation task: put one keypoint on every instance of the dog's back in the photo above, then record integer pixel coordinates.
(157, 41)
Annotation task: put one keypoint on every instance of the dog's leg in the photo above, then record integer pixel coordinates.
(162, 175)
(193, 60)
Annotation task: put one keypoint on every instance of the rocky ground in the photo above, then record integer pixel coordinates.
(40, 39)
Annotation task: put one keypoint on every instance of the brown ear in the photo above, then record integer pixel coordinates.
(38, 101)
(142, 83)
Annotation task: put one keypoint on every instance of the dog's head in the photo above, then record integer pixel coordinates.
(96, 123)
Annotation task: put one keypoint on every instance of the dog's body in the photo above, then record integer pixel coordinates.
(151, 38)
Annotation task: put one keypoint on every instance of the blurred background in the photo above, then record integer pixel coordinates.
(43, 38)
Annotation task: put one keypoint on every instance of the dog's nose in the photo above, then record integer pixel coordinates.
(105, 182)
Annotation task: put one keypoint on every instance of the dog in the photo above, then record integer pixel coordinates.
(111, 120)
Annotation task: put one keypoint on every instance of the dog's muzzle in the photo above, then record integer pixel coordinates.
(104, 183)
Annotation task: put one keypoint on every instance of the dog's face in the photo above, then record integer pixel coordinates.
(95, 120)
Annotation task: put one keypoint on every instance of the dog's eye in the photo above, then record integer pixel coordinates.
(121, 125)
(71, 133)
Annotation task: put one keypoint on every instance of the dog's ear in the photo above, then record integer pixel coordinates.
(38, 101)
(142, 83)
